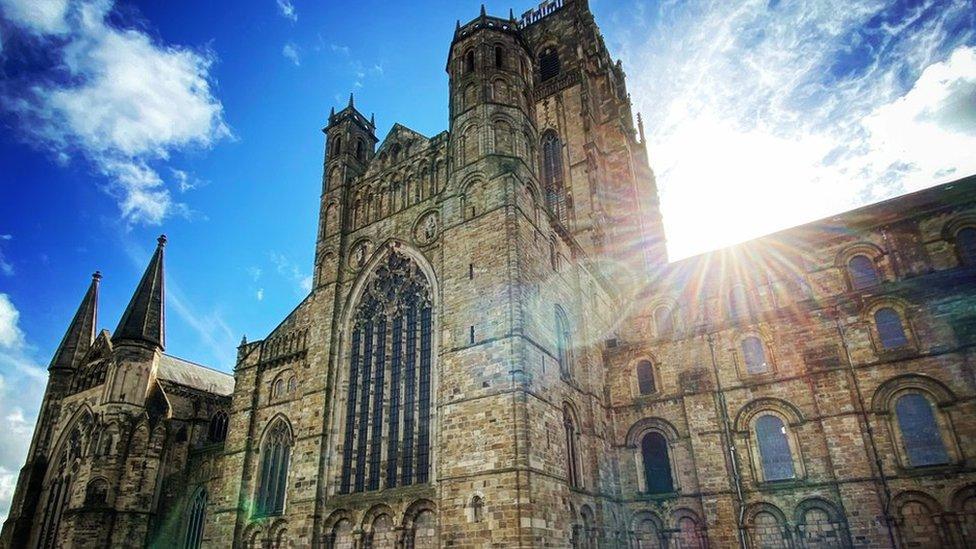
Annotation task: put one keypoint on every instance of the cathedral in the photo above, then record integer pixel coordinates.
(497, 353)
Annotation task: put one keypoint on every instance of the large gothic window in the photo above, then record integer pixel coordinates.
(275, 459)
(920, 432)
(657, 464)
(552, 175)
(194, 525)
(386, 439)
(218, 427)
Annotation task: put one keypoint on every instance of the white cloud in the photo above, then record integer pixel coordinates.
(10, 335)
(260, 294)
(783, 112)
(38, 16)
(290, 51)
(287, 10)
(123, 101)
(22, 383)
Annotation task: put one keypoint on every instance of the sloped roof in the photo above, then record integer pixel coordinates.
(189, 374)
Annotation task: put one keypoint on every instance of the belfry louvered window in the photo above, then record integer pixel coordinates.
(386, 439)
(275, 458)
(548, 64)
(552, 175)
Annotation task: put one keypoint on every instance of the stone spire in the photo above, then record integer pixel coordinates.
(81, 332)
(144, 318)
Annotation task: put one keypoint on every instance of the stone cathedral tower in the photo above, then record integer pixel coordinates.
(497, 353)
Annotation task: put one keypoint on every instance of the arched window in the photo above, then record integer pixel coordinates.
(275, 459)
(360, 150)
(966, 245)
(552, 175)
(548, 64)
(862, 271)
(477, 506)
(767, 531)
(292, 385)
(563, 342)
(572, 450)
(382, 535)
(920, 433)
(754, 355)
(499, 57)
(278, 388)
(645, 377)
(689, 534)
(424, 534)
(663, 321)
(818, 529)
(891, 332)
(342, 537)
(469, 62)
(738, 302)
(389, 375)
(337, 148)
(647, 532)
(774, 448)
(96, 494)
(919, 527)
(657, 464)
(58, 495)
(218, 427)
(197, 514)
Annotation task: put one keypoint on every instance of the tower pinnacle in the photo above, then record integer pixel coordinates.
(81, 332)
(144, 318)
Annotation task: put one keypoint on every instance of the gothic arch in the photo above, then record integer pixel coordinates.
(411, 275)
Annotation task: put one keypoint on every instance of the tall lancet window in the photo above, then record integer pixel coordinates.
(386, 441)
(275, 459)
(552, 175)
(197, 513)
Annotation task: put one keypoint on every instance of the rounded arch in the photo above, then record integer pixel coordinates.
(650, 424)
(375, 512)
(956, 224)
(959, 498)
(931, 504)
(817, 502)
(764, 507)
(336, 516)
(789, 412)
(415, 508)
(883, 398)
(870, 249)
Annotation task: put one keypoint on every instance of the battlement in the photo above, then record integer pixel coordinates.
(539, 13)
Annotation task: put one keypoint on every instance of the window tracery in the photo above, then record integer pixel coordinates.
(391, 339)
(275, 461)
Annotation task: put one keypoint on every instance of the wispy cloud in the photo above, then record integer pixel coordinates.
(783, 112)
(287, 268)
(116, 97)
(287, 10)
(290, 51)
(22, 383)
(6, 268)
(259, 295)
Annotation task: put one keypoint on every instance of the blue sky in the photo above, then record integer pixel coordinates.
(122, 120)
